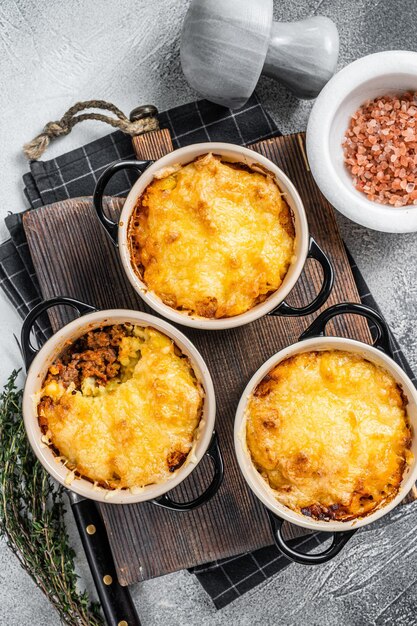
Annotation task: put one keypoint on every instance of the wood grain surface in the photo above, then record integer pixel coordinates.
(74, 257)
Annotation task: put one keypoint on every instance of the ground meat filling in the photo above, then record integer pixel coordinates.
(93, 354)
(175, 459)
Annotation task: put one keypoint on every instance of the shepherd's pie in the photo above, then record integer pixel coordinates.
(329, 433)
(121, 406)
(212, 238)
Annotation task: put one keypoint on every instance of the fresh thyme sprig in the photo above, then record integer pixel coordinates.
(32, 517)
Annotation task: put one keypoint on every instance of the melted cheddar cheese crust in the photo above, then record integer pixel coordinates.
(124, 413)
(329, 433)
(212, 238)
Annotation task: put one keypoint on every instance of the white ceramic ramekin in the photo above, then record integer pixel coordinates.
(40, 362)
(304, 245)
(391, 72)
(313, 339)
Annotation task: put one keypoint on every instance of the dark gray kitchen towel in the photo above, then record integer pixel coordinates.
(74, 174)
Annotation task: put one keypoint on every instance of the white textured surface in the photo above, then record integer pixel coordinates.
(54, 53)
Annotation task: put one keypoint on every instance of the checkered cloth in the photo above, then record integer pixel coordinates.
(74, 174)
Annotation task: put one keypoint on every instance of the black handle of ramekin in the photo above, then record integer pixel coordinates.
(215, 455)
(318, 327)
(115, 600)
(339, 540)
(314, 252)
(28, 351)
(130, 164)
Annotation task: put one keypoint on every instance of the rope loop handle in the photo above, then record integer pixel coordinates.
(136, 125)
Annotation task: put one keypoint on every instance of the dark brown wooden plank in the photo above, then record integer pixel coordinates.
(73, 256)
(153, 145)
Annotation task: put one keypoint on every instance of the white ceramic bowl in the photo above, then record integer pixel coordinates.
(374, 75)
(259, 486)
(183, 156)
(36, 375)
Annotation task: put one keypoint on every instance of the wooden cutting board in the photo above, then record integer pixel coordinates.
(74, 257)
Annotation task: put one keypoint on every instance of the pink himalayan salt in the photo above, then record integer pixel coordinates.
(380, 148)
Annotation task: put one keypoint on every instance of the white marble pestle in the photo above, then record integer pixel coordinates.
(227, 44)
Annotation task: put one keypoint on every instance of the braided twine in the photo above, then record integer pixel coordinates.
(35, 148)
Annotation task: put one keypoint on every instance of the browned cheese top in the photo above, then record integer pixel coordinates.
(121, 406)
(329, 433)
(212, 238)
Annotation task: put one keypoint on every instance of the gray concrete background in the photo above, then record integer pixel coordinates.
(54, 53)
